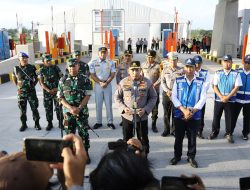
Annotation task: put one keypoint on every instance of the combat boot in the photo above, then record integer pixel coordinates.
(88, 159)
(49, 126)
(23, 127)
(37, 125)
(154, 129)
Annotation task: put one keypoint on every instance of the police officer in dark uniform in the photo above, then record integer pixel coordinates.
(135, 94)
(74, 91)
(25, 78)
(188, 96)
(49, 76)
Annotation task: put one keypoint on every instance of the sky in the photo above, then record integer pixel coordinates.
(199, 12)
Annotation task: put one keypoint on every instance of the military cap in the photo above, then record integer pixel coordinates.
(72, 62)
(172, 55)
(102, 49)
(22, 54)
(227, 58)
(189, 62)
(128, 52)
(16, 172)
(247, 59)
(151, 53)
(135, 64)
(76, 53)
(47, 57)
(197, 59)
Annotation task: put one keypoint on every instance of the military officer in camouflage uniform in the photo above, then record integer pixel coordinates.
(49, 76)
(25, 78)
(152, 70)
(139, 88)
(169, 74)
(84, 67)
(74, 91)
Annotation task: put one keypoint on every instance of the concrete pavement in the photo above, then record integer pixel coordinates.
(220, 163)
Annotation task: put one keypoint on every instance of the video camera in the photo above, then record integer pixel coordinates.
(121, 144)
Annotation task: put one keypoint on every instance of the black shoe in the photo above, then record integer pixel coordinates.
(225, 135)
(200, 135)
(212, 136)
(23, 127)
(49, 126)
(192, 162)
(165, 133)
(154, 129)
(97, 125)
(174, 161)
(37, 126)
(111, 125)
(120, 124)
(230, 139)
(245, 137)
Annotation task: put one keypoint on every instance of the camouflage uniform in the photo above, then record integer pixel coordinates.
(26, 91)
(73, 90)
(50, 76)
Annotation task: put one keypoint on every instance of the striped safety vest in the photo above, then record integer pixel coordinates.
(226, 83)
(188, 95)
(243, 94)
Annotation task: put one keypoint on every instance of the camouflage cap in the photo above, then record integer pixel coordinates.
(16, 172)
(47, 57)
(151, 53)
(76, 53)
(22, 54)
(72, 62)
(135, 64)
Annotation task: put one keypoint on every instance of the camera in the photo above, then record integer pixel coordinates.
(121, 144)
(48, 150)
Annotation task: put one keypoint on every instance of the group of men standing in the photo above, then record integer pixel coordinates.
(137, 95)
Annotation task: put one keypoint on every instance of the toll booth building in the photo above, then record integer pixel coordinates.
(88, 23)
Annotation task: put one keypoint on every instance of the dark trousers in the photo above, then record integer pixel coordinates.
(202, 124)
(145, 48)
(228, 109)
(155, 109)
(137, 48)
(141, 131)
(246, 117)
(167, 110)
(129, 48)
(190, 128)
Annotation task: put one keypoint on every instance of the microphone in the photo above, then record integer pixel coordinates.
(135, 87)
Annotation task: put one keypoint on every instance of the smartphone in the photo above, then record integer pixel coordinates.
(168, 181)
(43, 149)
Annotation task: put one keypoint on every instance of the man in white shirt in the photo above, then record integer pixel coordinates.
(188, 97)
